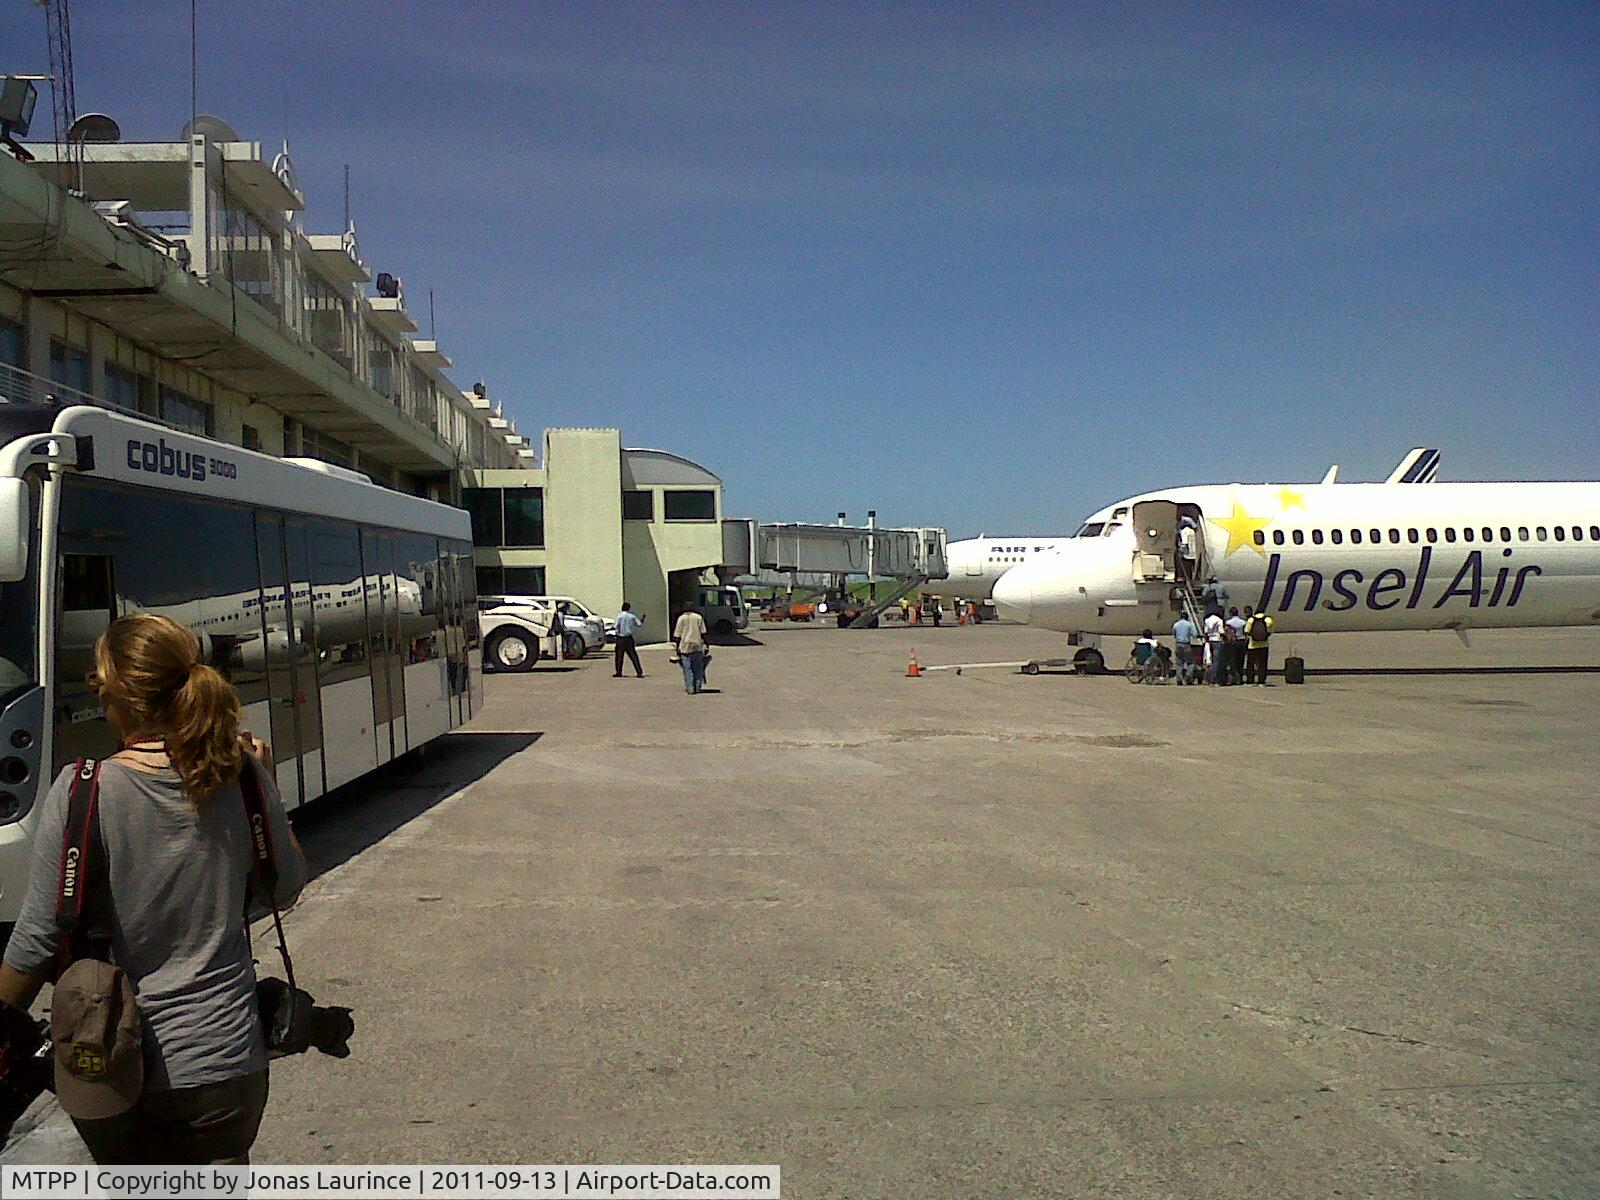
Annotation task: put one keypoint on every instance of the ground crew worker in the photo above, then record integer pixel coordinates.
(628, 623)
(1258, 628)
(558, 630)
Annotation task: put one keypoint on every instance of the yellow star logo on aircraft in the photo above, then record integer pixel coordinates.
(1290, 498)
(1241, 528)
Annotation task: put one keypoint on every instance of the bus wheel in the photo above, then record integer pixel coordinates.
(1090, 662)
(512, 650)
(723, 627)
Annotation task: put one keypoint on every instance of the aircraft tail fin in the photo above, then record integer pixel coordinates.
(1333, 474)
(1419, 466)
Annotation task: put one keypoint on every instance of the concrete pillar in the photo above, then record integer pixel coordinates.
(199, 207)
(98, 347)
(39, 315)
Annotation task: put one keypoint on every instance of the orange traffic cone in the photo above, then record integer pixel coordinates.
(913, 671)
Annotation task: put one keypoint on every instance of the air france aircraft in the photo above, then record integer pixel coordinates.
(1329, 557)
(976, 564)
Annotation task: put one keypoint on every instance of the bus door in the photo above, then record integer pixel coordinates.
(286, 658)
(388, 702)
(306, 676)
(450, 617)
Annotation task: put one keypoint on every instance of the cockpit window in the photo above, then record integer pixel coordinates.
(1091, 529)
(1111, 527)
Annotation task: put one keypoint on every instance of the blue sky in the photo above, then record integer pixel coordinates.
(982, 266)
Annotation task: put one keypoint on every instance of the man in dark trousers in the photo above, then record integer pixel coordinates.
(1257, 628)
(627, 627)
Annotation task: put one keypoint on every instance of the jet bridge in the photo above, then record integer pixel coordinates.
(905, 559)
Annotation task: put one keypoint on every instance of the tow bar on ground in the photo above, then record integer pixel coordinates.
(1026, 666)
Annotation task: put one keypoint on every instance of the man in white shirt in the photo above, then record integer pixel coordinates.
(689, 635)
(1216, 653)
(628, 623)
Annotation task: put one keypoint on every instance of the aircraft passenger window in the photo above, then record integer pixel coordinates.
(1394, 535)
(1449, 534)
(1433, 534)
(1577, 533)
(1505, 534)
(1377, 536)
(1594, 533)
(1522, 533)
(1316, 537)
(1337, 535)
(1561, 533)
(1539, 533)
(1488, 534)
(1277, 537)
(1355, 537)
(1299, 537)
(1260, 538)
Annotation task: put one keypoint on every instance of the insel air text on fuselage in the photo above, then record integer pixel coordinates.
(1345, 557)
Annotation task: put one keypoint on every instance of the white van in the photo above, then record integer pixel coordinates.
(723, 609)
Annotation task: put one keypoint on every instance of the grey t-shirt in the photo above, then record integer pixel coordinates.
(179, 874)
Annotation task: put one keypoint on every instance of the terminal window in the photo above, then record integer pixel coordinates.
(638, 506)
(186, 412)
(697, 505)
(510, 581)
(13, 342)
(506, 516)
(69, 365)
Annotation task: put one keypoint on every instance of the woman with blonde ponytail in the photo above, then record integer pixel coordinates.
(178, 858)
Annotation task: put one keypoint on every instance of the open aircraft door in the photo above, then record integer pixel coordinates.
(1155, 531)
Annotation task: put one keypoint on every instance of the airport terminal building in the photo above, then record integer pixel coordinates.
(600, 523)
(176, 280)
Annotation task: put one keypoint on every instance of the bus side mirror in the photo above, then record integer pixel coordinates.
(16, 524)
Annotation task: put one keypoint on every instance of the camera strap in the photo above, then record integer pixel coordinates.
(266, 862)
(82, 860)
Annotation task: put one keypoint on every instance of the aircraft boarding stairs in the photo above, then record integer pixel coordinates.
(902, 588)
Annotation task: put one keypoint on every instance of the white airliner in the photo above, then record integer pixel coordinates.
(976, 564)
(1404, 554)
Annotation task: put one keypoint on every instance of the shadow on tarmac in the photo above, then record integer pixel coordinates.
(335, 828)
(1559, 670)
(734, 639)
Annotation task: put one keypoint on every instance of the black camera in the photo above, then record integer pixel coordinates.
(293, 1022)
(24, 1064)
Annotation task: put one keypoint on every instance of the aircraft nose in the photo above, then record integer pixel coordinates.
(1013, 595)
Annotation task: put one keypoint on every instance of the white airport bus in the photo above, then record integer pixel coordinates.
(343, 613)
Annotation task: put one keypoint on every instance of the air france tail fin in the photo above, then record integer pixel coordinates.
(1420, 466)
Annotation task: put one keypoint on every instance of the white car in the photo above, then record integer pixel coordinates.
(583, 630)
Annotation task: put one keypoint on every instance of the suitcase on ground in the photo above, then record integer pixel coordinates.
(1294, 670)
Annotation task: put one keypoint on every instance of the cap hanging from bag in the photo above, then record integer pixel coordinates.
(98, 1041)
